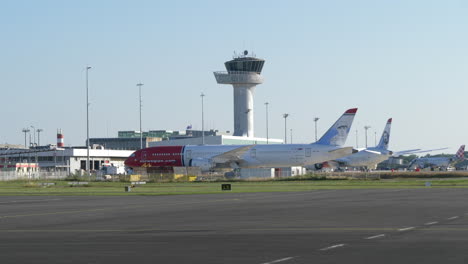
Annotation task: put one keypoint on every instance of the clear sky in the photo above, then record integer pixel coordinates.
(402, 59)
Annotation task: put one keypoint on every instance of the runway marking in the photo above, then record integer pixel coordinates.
(405, 229)
(332, 229)
(106, 209)
(279, 260)
(30, 201)
(453, 217)
(332, 247)
(55, 213)
(377, 236)
(431, 223)
(164, 231)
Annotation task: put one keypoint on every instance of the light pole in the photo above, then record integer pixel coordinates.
(141, 131)
(34, 136)
(87, 121)
(366, 128)
(25, 131)
(39, 130)
(315, 120)
(266, 105)
(375, 138)
(290, 132)
(285, 117)
(202, 118)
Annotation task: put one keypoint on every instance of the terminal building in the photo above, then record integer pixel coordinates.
(59, 158)
(70, 160)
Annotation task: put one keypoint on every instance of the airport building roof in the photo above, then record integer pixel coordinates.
(216, 140)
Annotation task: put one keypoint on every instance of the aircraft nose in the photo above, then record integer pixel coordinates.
(130, 161)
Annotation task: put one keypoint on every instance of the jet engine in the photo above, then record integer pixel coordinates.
(203, 164)
(318, 166)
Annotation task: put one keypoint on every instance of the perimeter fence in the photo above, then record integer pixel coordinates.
(37, 175)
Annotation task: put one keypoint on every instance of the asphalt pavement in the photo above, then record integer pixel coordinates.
(320, 226)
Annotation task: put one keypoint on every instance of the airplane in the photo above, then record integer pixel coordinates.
(209, 157)
(368, 158)
(441, 162)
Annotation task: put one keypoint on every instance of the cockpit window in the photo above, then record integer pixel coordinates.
(133, 155)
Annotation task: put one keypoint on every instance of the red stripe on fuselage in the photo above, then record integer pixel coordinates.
(157, 157)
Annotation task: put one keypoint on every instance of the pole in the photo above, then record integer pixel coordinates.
(25, 131)
(290, 131)
(39, 130)
(87, 122)
(34, 135)
(315, 120)
(266, 104)
(285, 133)
(366, 128)
(141, 131)
(203, 120)
(375, 138)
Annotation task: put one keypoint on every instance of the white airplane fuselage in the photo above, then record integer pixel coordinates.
(258, 156)
(432, 162)
(365, 158)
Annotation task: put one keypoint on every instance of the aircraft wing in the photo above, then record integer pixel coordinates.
(414, 151)
(232, 155)
(373, 151)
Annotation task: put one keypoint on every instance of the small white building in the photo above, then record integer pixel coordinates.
(71, 160)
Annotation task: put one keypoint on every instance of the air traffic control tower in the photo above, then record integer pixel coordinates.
(243, 72)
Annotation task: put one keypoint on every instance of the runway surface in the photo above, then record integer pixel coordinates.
(320, 226)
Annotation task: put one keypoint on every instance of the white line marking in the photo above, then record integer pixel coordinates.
(405, 229)
(431, 223)
(453, 217)
(21, 201)
(377, 236)
(332, 247)
(279, 260)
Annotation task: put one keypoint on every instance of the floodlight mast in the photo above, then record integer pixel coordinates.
(285, 116)
(366, 128)
(87, 122)
(141, 131)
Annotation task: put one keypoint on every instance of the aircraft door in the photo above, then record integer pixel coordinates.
(308, 152)
(144, 155)
(253, 153)
(298, 156)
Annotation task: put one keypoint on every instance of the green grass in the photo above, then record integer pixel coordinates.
(117, 188)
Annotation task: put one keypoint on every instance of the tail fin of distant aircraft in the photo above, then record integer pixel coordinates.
(383, 143)
(338, 133)
(460, 155)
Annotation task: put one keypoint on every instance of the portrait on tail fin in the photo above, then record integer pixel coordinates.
(338, 133)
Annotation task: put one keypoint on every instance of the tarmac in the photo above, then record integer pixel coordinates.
(320, 226)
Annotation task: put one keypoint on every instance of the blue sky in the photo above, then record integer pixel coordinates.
(400, 59)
